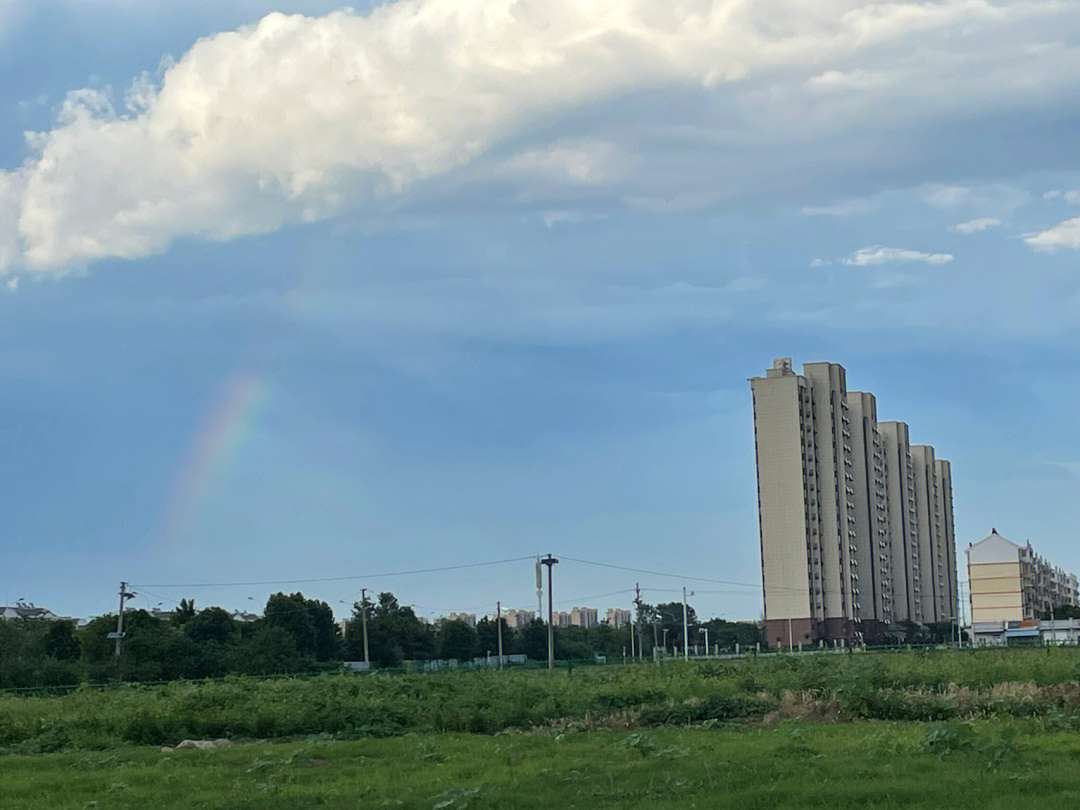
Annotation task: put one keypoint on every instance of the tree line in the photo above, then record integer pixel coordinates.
(296, 634)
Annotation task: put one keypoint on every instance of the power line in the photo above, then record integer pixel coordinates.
(594, 596)
(332, 579)
(757, 586)
(662, 573)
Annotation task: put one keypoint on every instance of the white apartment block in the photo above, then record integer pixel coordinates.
(856, 523)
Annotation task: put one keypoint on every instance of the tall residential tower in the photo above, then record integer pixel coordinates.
(856, 523)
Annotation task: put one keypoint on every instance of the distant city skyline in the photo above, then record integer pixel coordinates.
(307, 322)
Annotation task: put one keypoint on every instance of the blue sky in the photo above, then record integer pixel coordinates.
(440, 283)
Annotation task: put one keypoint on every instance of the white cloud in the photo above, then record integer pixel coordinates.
(832, 81)
(11, 193)
(878, 254)
(1063, 235)
(296, 119)
(559, 216)
(1070, 196)
(574, 163)
(943, 196)
(976, 225)
(843, 209)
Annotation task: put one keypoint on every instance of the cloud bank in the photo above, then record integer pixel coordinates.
(977, 225)
(296, 119)
(1063, 235)
(883, 255)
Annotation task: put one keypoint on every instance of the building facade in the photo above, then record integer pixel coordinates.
(584, 617)
(1012, 585)
(467, 618)
(518, 618)
(855, 522)
(617, 617)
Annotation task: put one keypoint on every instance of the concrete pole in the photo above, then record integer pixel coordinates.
(685, 628)
(363, 619)
(124, 596)
(498, 623)
(550, 562)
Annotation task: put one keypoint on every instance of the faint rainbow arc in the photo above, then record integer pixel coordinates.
(214, 449)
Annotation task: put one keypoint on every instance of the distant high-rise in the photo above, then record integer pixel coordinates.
(856, 523)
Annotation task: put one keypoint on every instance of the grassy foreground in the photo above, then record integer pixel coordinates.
(987, 764)
(911, 686)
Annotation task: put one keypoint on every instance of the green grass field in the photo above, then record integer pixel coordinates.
(902, 729)
(988, 764)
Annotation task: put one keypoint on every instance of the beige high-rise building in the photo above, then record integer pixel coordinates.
(584, 617)
(903, 523)
(853, 518)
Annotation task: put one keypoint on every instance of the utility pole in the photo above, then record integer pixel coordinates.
(539, 590)
(637, 604)
(705, 630)
(125, 594)
(685, 628)
(363, 619)
(631, 634)
(550, 562)
(498, 623)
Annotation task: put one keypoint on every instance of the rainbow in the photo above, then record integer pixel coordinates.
(214, 449)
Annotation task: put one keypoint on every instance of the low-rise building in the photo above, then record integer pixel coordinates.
(26, 610)
(1027, 632)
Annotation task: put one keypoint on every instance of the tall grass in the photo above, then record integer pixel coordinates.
(936, 685)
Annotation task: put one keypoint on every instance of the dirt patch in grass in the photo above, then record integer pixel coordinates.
(803, 705)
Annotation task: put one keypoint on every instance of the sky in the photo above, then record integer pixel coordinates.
(293, 296)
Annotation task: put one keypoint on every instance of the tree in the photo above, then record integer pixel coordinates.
(60, 641)
(457, 640)
(670, 618)
(573, 643)
(395, 633)
(727, 634)
(1064, 612)
(184, 612)
(211, 625)
(532, 640)
(270, 650)
(309, 621)
(487, 634)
